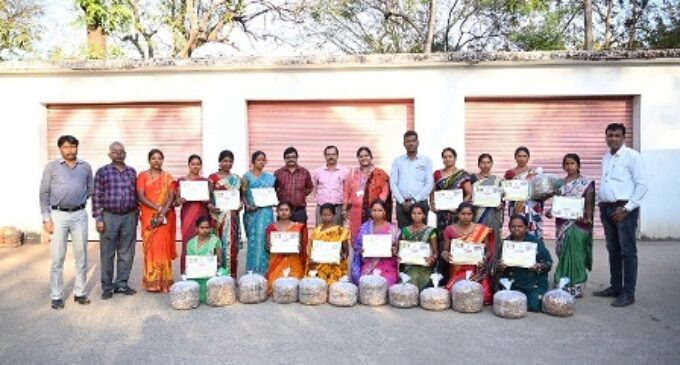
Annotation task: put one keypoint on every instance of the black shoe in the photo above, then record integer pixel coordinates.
(107, 294)
(609, 292)
(125, 290)
(623, 300)
(81, 300)
(57, 303)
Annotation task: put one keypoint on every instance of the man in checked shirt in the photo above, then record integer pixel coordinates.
(115, 207)
(293, 184)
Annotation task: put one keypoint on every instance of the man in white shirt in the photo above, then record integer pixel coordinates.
(622, 187)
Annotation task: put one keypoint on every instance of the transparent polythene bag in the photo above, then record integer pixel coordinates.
(373, 289)
(558, 302)
(185, 295)
(404, 294)
(252, 288)
(467, 296)
(509, 303)
(436, 298)
(313, 290)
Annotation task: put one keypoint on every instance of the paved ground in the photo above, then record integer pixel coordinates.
(144, 329)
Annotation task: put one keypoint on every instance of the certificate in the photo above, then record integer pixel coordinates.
(201, 267)
(284, 242)
(194, 191)
(516, 190)
(227, 199)
(566, 207)
(264, 197)
(486, 196)
(448, 199)
(519, 254)
(325, 252)
(466, 253)
(377, 245)
(414, 253)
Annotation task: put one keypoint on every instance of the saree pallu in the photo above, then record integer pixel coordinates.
(226, 224)
(387, 266)
(451, 182)
(532, 210)
(279, 262)
(328, 272)
(159, 242)
(490, 217)
(188, 214)
(420, 275)
(206, 249)
(479, 234)
(256, 222)
(361, 190)
(574, 243)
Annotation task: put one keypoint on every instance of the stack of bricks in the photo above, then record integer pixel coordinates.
(11, 237)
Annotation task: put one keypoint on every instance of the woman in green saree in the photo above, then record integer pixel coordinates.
(206, 243)
(419, 232)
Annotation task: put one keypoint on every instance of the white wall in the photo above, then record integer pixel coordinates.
(438, 92)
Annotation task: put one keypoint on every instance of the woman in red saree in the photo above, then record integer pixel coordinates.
(466, 230)
(281, 261)
(156, 193)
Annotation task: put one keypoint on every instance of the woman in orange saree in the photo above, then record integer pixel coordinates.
(156, 193)
(281, 261)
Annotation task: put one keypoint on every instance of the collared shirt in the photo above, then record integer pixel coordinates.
(64, 186)
(411, 179)
(293, 186)
(329, 184)
(114, 190)
(623, 178)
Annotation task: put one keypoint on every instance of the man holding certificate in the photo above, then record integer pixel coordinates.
(329, 182)
(328, 247)
(287, 246)
(293, 184)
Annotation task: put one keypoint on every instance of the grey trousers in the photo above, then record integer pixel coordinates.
(64, 223)
(117, 243)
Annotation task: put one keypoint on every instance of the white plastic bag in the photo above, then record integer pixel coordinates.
(543, 184)
(435, 299)
(343, 293)
(185, 295)
(373, 289)
(285, 289)
(252, 288)
(558, 302)
(467, 296)
(404, 295)
(509, 303)
(313, 290)
(221, 291)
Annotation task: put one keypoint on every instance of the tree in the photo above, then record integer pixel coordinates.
(588, 24)
(18, 26)
(102, 17)
(666, 30)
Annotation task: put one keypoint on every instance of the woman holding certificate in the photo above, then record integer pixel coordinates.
(227, 195)
(486, 196)
(205, 243)
(256, 217)
(156, 192)
(449, 178)
(574, 227)
(418, 249)
(529, 276)
(375, 246)
(287, 246)
(328, 247)
(518, 193)
(469, 246)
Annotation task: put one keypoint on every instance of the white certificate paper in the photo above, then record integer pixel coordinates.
(516, 190)
(519, 254)
(466, 253)
(448, 199)
(227, 199)
(568, 207)
(194, 191)
(414, 253)
(325, 252)
(201, 267)
(486, 196)
(264, 197)
(377, 245)
(284, 242)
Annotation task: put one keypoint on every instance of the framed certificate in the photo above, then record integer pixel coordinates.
(284, 242)
(448, 199)
(566, 207)
(377, 245)
(194, 191)
(466, 253)
(201, 267)
(227, 199)
(264, 197)
(515, 190)
(486, 196)
(414, 253)
(325, 252)
(519, 254)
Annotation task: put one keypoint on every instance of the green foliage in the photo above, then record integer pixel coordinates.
(666, 30)
(18, 25)
(110, 15)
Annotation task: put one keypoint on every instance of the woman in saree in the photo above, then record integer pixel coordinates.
(278, 262)
(191, 210)
(419, 232)
(533, 281)
(378, 224)
(156, 193)
(362, 186)
(470, 232)
(227, 221)
(256, 219)
(491, 217)
(329, 232)
(205, 243)
(532, 210)
(574, 243)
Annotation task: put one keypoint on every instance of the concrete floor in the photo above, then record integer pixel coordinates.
(144, 329)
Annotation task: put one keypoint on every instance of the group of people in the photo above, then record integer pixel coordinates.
(352, 203)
